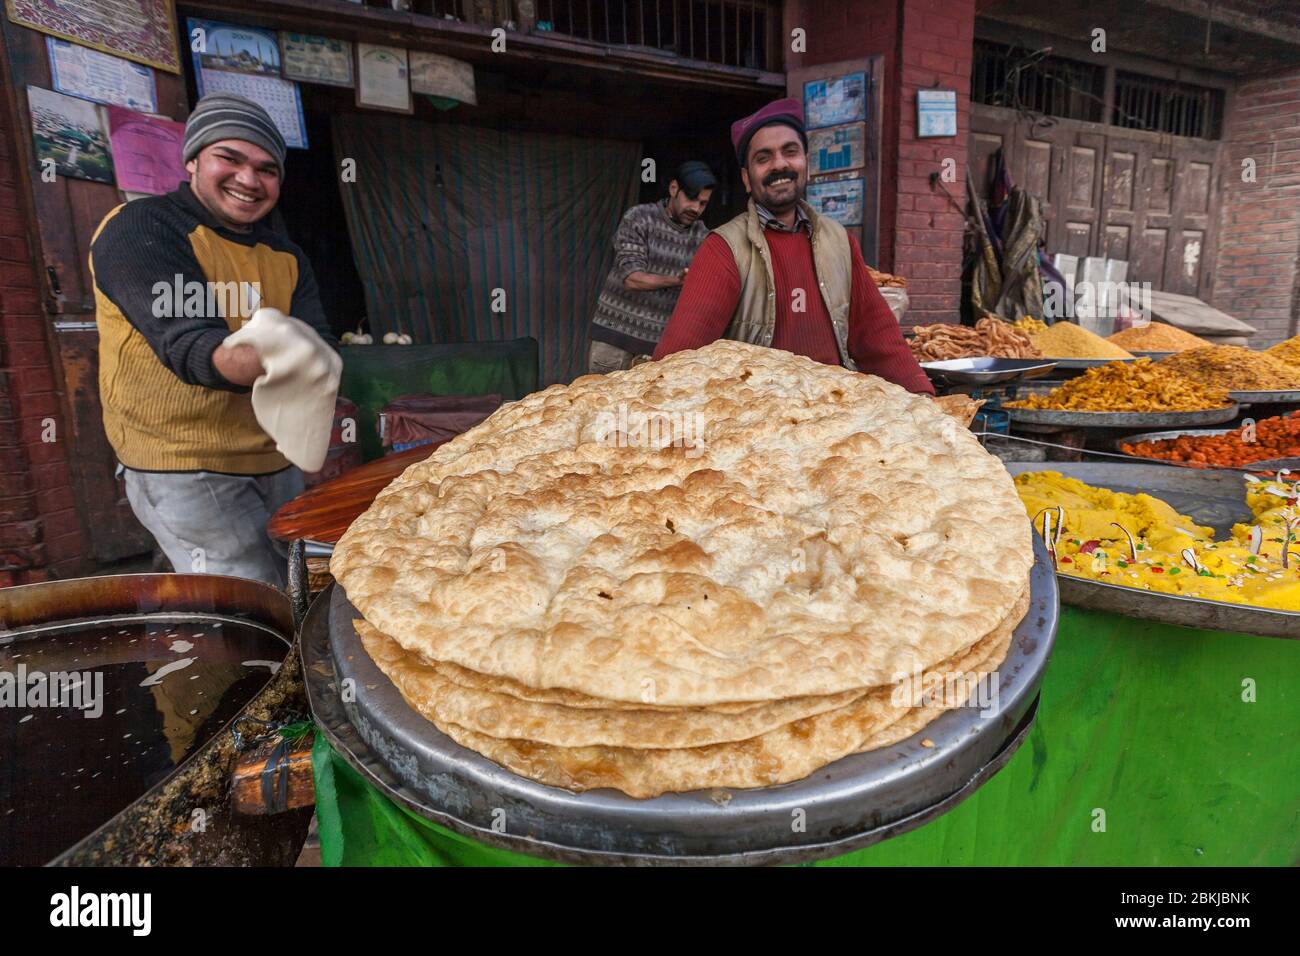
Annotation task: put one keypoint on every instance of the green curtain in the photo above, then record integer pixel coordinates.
(1143, 721)
(443, 215)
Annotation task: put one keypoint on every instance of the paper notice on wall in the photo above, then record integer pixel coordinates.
(80, 71)
(146, 151)
(383, 78)
(442, 76)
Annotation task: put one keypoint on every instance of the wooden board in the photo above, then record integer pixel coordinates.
(323, 513)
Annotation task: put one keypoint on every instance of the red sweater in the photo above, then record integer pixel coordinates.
(712, 290)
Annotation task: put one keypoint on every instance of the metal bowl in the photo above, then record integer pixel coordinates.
(1277, 396)
(1074, 419)
(851, 803)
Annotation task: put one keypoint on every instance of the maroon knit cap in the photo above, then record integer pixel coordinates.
(787, 112)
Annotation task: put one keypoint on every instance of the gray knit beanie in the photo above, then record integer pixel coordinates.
(221, 116)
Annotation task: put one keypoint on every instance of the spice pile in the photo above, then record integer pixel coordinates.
(1142, 386)
(1277, 437)
(1288, 351)
(1156, 337)
(1065, 340)
(1234, 368)
(989, 337)
(1138, 541)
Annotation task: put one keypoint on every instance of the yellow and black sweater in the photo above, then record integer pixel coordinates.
(170, 284)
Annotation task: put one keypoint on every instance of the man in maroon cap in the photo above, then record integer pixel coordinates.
(782, 276)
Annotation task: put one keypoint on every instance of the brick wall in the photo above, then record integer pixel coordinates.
(936, 52)
(1257, 278)
(40, 534)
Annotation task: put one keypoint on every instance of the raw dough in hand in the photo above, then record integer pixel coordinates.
(294, 397)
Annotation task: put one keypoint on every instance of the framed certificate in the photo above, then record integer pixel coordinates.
(315, 59)
(383, 78)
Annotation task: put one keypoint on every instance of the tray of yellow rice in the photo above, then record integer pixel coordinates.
(1194, 557)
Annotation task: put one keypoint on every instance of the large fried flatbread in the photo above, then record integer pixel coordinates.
(775, 528)
(790, 752)
(501, 715)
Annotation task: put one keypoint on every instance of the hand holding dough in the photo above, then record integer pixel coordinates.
(294, 398)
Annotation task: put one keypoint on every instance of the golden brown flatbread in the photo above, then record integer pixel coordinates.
(499, 714)
(729, 524)
(787, 753)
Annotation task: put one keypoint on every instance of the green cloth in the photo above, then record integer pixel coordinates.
(1143, 721)
(374, 375)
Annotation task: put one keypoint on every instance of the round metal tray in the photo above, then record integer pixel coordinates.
(1264, 398)
(1086, 363)
(1269, 464)
(986, 370)
(1047, 416)
(854, 802)
(1214, 497)
(1153, 356)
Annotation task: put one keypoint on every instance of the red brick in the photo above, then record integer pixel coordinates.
(61, 523)
(54, 499)
(22, 534)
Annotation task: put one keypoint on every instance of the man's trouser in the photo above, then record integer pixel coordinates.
(603, 358)
(209, 523)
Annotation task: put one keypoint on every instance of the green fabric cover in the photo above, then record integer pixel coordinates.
(374, 375)
(1144, 721)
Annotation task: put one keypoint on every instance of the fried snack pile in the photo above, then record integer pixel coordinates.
(1091, 546)
(884, 280)
(708, 571)
(1277, 437)
(1234, 368)
(1157, 337)
(1141, 386)
(1288, 351)
(1065, 340)
(989, 337)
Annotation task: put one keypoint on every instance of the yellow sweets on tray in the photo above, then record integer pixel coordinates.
(1139, 541)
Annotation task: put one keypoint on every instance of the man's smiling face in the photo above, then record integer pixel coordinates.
(776, 171)
(237, 181)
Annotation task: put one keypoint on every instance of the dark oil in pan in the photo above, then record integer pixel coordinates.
(133, 700)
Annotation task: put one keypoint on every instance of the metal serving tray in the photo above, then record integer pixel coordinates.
(986, 370)
(1047, 416)
(1266, 397)
(1214, 497)
(854, 802)
(1086, 363)
(1269, 464)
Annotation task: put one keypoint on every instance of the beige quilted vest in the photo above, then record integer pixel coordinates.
(755, 318)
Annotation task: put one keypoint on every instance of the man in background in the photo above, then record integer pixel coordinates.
(653, 248)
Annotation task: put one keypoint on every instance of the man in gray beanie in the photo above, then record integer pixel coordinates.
(174, 276)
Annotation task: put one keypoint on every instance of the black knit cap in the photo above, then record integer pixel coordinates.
(221, 116)
(693, 175)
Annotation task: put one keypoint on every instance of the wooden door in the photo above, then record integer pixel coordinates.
(1111, 192)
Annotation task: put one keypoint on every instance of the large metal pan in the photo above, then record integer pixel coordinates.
(166, 800)
(851, 803)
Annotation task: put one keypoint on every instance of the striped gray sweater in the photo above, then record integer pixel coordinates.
(647, 240)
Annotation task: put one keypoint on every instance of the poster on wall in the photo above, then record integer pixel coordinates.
(383, 78)
(232, 48)
(313, 59)
(140, 30)
(840, 200)
(837, 149)
(146, 151)
(246, 61)
(443, 76)
(70, 135)
(835, 100)
(81, 71)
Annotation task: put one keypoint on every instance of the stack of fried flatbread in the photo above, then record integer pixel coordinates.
(714, 570)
